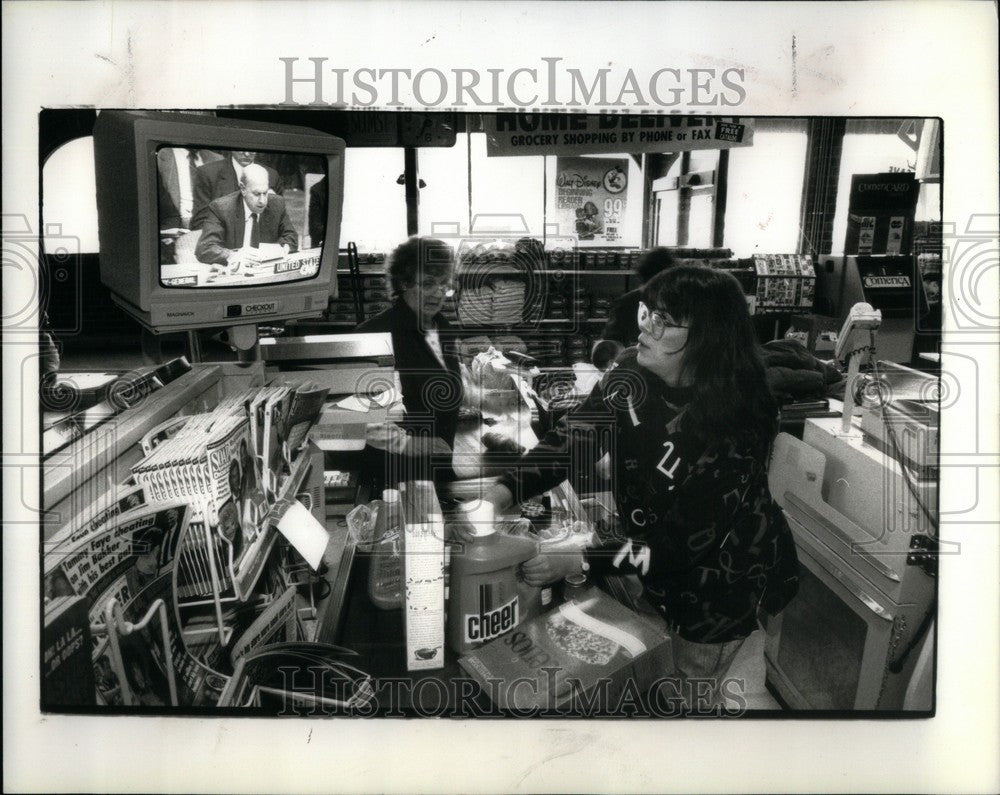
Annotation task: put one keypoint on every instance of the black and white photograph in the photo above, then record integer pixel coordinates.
(470, 404)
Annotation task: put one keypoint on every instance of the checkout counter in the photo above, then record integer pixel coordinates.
(861, 501)
(142, 638)
(430, 682)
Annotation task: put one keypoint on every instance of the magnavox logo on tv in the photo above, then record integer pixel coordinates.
(887, 281)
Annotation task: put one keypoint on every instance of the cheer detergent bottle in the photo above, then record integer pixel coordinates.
(485, 600)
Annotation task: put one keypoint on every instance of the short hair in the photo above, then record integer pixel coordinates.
(652, 262)
(529, 253)
(414, 258)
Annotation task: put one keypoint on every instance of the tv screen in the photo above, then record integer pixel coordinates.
(226, 219)
(208, 223)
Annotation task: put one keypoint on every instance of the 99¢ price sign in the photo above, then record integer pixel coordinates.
(591, 197)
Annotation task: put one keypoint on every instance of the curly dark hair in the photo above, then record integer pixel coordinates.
(414, 258)
(654, 261)
(722, 360)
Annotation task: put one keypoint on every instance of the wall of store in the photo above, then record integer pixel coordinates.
(762, 210)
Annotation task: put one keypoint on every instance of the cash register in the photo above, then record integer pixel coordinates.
(861, 496)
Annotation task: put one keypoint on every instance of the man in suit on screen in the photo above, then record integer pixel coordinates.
(222, 177)
(236, 225)
(178, 168)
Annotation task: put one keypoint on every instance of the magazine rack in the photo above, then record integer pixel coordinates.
(251, 569)
(115, 625)
(203, 553)
(79, 474)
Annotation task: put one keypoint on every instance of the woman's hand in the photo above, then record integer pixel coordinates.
(468, 520)
(551, 566)
(386, 436)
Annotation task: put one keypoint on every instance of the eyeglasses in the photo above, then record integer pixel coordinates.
(445, 286)
(653, 323)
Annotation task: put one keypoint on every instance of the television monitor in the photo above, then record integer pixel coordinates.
(186, 242)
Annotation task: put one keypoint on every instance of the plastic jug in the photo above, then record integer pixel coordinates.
(385, 575)
(486, 600)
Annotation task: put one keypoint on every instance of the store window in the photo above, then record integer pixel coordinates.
(462, 184)
(444, 197)
(764, 189)
(686, 199)
(520, 195)
(667, 205)
(703, 198)
(69, 194)
(508, 190)
(872, 146)
(374, 203)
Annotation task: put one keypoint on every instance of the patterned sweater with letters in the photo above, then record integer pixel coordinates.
(696, 522)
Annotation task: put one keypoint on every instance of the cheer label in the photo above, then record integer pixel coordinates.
(488, 624)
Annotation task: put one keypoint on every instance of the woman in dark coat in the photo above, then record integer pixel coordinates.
(420, 272)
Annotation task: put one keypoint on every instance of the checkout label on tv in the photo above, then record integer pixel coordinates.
(250, 310)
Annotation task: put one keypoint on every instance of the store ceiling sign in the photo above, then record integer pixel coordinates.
(511, 134)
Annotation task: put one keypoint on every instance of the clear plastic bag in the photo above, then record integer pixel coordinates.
(363, 524)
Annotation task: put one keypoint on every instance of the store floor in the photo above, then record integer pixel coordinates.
(749, 667)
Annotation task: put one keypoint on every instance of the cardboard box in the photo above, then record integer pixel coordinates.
(592, 647)
(423, 574)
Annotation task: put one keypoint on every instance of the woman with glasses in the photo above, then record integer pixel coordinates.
(686, 420)
(419, 274)
(621, 330)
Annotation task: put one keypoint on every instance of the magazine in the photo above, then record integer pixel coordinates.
(115, 558)
(110, 556)
(276, 623)
(306, 406)
(197, 511)
(159, 671)
(210, 463)
(67, 670)
(301, 678)
(96, 515)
